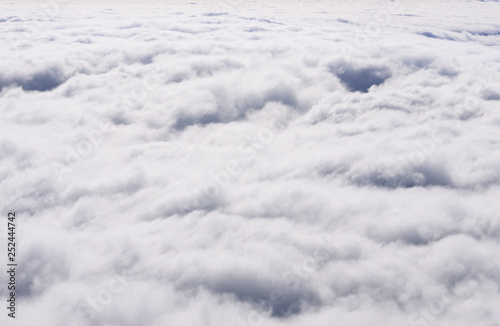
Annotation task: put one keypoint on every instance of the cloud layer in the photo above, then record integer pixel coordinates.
(232, 163)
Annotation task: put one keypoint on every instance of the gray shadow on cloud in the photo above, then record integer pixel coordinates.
(281, 300)
(41, 267)
(490, 95)
(359, 79)
(424, 175)
(212, 14)
(435, 36)
(238, 109)
(42, 81)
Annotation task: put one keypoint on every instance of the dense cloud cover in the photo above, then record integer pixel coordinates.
(264, 163)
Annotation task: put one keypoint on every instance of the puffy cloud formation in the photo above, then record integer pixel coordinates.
(263, 163)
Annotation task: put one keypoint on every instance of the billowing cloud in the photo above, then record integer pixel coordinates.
(234, 163)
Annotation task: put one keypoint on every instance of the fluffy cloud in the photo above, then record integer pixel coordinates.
(252, 163)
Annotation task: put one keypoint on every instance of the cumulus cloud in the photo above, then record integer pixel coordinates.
(257, 163)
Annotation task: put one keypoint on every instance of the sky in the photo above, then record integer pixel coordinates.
(251, 163)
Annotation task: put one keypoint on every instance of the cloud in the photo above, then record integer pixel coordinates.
(252, 163)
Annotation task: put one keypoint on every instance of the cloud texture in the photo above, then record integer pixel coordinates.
(233, 163)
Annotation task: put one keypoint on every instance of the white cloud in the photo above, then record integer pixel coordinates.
(252, 163)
